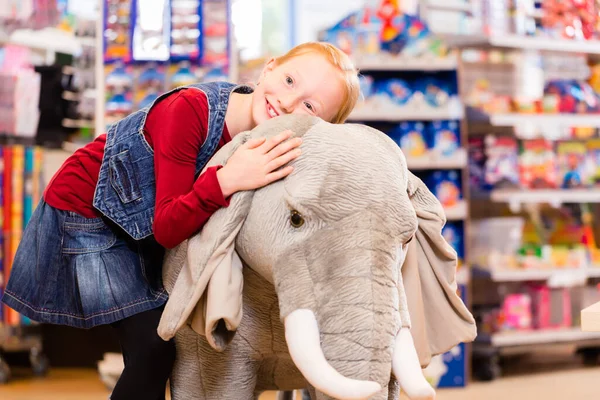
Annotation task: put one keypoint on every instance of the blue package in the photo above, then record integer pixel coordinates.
(445, 137)
(445, 185)
(119, 77)
(151, 77)
(397, 90)
(366, 86)
(412, 139)
(436, 92)
(453, 234)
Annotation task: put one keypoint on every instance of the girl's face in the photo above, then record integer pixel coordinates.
(306, 84)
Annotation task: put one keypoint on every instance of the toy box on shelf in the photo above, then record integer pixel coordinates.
(20, 192)
(189, 44)
(409, 90)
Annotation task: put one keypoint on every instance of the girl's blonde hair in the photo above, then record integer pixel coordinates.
(342, 62)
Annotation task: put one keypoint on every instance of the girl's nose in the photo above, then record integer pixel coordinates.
(287, 103)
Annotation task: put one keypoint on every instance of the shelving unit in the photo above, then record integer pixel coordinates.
(518, 42)
(567, 120)
(433, 161)
(555, 197)
(524, 275)
(371, 113)
(515, 339)
(488, 348)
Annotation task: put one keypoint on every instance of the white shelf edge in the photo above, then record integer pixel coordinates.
(463, 275)
(522, 275)
(391, 63)
(523, 42)
(587, 120)
(546, 336)
(368, 113)
(457, 212)
(432, 161)
(47, 39)
(450, 5)
(552, 196)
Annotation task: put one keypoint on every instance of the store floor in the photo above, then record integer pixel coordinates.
(575, 384)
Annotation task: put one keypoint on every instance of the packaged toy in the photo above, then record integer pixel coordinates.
(593, 162)
(151, 31)
(215, 42)
(412, 138)
(446, 186)
(551, 307)
(119, 105)
(181, 75)
(118, 77)
(366, 86)
(537, 164)
(186, 33)
(476, 162)
(436, 92)
(516, 309)
(501, 163)
(454, 235)
(571, 162)
(116, 35)
(396, 91)
(445, 137)
(572, 97)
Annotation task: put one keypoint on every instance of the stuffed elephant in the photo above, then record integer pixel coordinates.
(336, 278)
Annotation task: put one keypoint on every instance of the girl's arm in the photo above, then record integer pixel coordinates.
(177, 126)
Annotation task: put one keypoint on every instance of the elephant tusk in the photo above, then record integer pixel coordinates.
(407, 368)
(303, 340)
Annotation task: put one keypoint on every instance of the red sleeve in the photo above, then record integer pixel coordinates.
(177, 127)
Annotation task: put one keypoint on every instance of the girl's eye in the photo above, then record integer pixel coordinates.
(309, 106)
(289, 80)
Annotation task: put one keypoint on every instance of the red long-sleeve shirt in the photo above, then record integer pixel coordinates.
(175, 128)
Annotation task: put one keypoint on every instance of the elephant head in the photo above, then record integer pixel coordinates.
(352, 243)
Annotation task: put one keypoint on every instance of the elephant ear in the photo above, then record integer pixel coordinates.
(203, 275)
(439, 318)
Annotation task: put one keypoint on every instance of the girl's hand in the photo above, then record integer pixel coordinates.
(255, 164)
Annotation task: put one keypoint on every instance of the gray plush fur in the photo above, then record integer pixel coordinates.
(353, 189)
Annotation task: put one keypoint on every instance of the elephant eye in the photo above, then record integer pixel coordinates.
(409, 240)
(296, 219)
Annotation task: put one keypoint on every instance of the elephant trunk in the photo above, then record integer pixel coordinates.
(343, 343)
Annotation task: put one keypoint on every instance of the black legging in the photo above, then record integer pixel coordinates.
(148, 359)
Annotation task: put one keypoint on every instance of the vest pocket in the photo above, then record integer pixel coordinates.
(123, 177)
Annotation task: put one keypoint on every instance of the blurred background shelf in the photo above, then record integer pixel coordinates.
(511, 41)
(524, 275)
(458, 160)
(550, 196)
(537, 337)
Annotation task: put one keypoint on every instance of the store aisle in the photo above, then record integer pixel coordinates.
(576, 384)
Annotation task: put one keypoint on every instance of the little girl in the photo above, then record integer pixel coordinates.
(92, 252)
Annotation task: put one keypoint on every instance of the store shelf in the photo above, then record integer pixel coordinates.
(556, 275)
(463, 276)
(536, 337)
(386, 62)
(457, 212)
(450, 5)
(554, 197)
(48, 39)
(524, 43)
(372, 112)
(433, 161)
(568, 120)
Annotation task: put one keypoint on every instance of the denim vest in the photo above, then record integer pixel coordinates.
(126, 188)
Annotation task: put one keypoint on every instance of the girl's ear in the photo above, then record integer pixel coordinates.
(269, 66)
